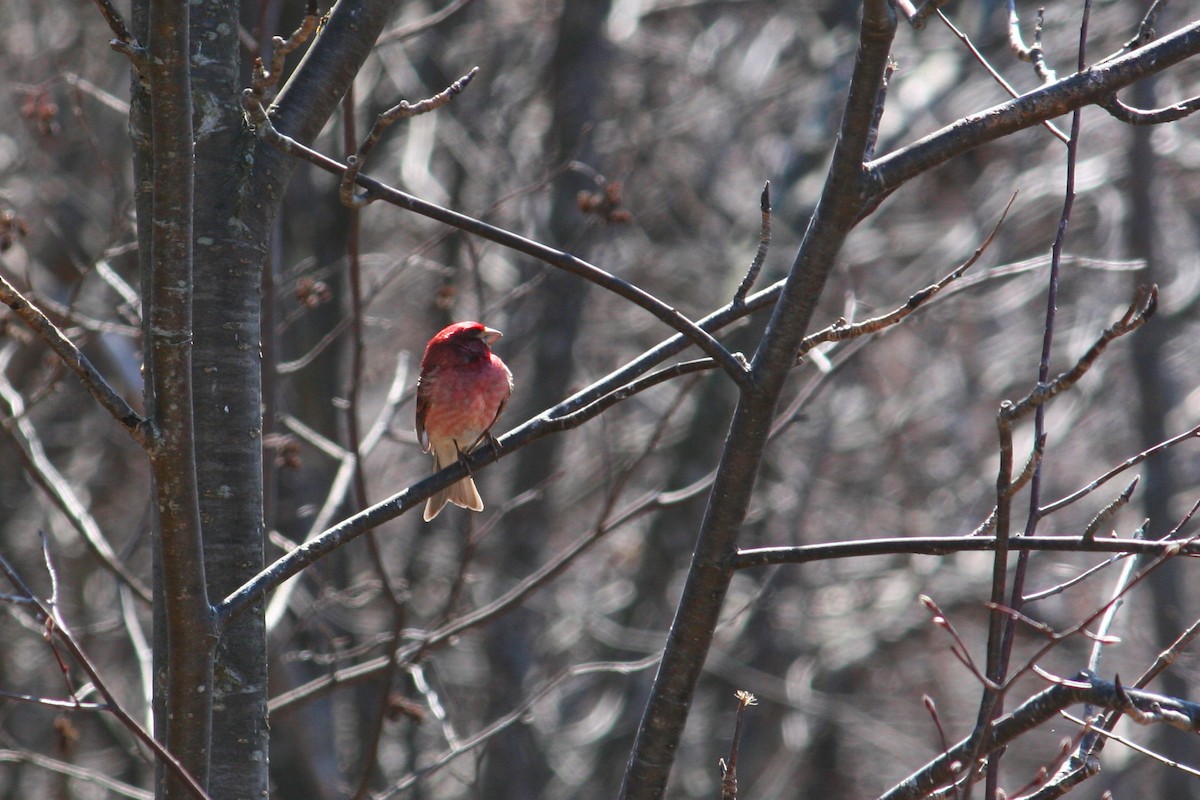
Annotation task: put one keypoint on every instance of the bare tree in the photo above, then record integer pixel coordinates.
(509, 654)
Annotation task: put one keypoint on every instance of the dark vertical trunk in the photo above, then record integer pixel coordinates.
(227, 374)
(1157, 397)
(208, 190)
(183, 634)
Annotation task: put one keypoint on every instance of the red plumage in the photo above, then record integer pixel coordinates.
(462, 389)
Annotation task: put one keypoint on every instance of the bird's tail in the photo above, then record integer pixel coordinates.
(462, 494)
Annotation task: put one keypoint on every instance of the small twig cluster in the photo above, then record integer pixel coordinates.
(402, 110)
(56, 631)
(729, 784)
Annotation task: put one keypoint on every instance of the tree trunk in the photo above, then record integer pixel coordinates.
(203, 370)
(227, 376)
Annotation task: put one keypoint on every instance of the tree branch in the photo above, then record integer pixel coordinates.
(42, 471)
(946, 545)
(891, 171)
(60, 631)
(711, 566)
(527, 432)
(1150, 709)
(1150, 116)
(729, 362)
(77, 362)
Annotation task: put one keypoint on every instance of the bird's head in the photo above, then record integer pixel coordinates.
(469, 340)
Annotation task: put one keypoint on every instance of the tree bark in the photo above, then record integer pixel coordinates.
(217, 198)
(227, 396)
(184, 639)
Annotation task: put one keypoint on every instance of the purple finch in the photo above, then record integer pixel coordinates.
(462, 390)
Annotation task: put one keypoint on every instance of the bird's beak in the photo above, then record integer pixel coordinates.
(491, 334)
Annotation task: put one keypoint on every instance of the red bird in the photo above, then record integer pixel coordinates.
(462, 390)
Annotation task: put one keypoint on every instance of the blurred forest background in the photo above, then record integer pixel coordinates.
(669, 115)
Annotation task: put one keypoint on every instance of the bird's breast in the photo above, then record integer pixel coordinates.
(464, 400)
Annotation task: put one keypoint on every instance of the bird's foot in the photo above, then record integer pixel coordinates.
(462, 456)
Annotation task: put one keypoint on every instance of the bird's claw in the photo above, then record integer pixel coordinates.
(462, 456)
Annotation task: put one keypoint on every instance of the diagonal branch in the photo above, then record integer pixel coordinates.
(570, 413)
(1136, 315)
(402, 110)
(77, 362)
(729, 362)
(1093, 85)
(1149, 708)
(63, 634)
(841, 331)
(41, 470)
(711, 568)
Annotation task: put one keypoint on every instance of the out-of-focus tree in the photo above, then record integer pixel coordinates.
(219, 453)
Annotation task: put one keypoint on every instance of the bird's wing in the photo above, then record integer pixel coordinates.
(423, 390)
(500, 408)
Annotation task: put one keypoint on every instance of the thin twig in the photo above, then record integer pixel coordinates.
(1030, 55)
(733, 366)
(1168, 656)
(996, 76)
(1110, 510)
(945, 545)
(596, 407)
(729, 784)
(1150, 116)
(420, 26)
(1062, 586)
(764, 242)
(41, 470)
(74, 359)
(1147, 30)
(1137, 748)
(1049, 508)
(263, 79)
(1138, 313)
(403, 110)
(841, 330)
(959, 648)
(63, 634)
